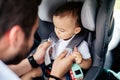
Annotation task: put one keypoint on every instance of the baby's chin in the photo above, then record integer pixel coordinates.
(67, 38)
(64, 38)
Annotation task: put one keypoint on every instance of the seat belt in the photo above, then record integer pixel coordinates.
(75, 41)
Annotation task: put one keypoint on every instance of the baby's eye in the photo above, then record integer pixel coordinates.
(62, 30)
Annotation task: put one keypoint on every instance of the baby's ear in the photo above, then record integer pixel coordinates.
(77, 30)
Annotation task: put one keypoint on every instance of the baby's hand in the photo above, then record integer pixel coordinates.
(78, 56)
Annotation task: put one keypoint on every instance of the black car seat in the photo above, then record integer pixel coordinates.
(96, 16)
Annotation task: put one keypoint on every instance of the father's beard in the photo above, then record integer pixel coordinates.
(24, 50)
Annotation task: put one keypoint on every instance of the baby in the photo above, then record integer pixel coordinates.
(68, 25)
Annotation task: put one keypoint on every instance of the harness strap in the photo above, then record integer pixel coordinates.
(54, 37)
(75, 41)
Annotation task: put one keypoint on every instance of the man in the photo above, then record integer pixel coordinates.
(18, 23)
(16, 33)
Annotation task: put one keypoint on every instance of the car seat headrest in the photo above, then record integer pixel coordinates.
(47, 8)
(88, 12)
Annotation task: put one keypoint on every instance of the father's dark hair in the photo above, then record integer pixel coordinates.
(18, 12)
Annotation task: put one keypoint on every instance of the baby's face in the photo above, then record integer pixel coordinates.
(65, 27)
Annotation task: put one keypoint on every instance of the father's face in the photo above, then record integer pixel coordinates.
(25, 47)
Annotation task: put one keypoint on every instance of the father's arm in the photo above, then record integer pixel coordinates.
(24, 66)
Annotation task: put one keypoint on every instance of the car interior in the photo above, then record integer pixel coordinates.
(97, 17)
(112, 57)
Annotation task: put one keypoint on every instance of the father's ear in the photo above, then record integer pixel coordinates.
(16, 36)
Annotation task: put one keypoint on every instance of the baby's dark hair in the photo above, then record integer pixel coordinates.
(72, 9)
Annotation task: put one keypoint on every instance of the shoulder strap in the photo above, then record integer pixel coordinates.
(53, 36)
(77, 39)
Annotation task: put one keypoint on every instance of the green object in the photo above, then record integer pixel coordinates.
(77, 71)
(117, 75)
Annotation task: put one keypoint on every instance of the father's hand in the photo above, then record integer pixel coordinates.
(40, 52)
(62, 64)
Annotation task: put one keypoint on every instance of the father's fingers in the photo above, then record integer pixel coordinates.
(44, 45)
(62, 55)
(75, 49)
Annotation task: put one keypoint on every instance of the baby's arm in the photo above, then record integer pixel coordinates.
(84, 63)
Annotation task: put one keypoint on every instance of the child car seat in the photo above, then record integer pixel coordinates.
(96, 17)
